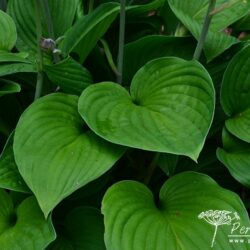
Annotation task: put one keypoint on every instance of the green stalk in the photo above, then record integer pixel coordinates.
(39, 83)
(109, 56)
(121, 41)
(204, 30)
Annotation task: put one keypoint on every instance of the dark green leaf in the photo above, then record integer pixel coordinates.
(23, 227)
(9, 175)
(8, 87)
(56, 153)
(169, 109)
(70, 75)
(85, 33)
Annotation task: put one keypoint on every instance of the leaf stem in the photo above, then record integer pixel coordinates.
(204, 30)
(121, 41)
(151, 168)
(39, 83)
(109, 56)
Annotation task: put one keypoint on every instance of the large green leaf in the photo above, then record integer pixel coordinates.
(70, 75)
(83, 229)
(235, 155)
(169, 108)
(23, 227)
(56, 153)
(8, 33)
(23, 13)
(141, 51)
(192, 14)
(85, 33)
(9, 175)
(235, 95)
(185, 217)
(8, 87)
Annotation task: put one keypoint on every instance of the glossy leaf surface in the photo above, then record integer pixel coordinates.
(235, 95)
(169, 108)
(24, 226)
(184, 217)
(56, 153)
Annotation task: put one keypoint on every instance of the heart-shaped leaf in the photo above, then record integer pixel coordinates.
(235, 155)
(8, 33)
(56, 153)
(193, 212)
(192, 14)
(9, 175)
(70, 75)
(23, 227)
(235, 95)
(83, 229)
(8, 87)
(169, 109)
(84, 34)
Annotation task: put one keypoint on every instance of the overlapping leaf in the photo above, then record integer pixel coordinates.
(235, 155)
(8, 33)
(82, 37)
(189, 207)
(8, 87)
(83, 229)
(23, 227)
(192, 14)
(169, 108)
(70, 75)
(9, 175)
(235, 95)
(56, 153)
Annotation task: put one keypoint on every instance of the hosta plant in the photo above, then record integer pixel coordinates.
(124, 125)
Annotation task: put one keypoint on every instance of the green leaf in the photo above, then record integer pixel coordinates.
(235, 155)
(169, 108)
(83, 229)
(69, 75)
(135, 221)
(141, 51)
(12, 68)
(22, 11)
(144, 9)
(8, 34)
(192, 14)
(82, 37)
(23, 227)
(235, 95)
(13, 57)
(56, 153)
(8, 87)
(9, 175)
